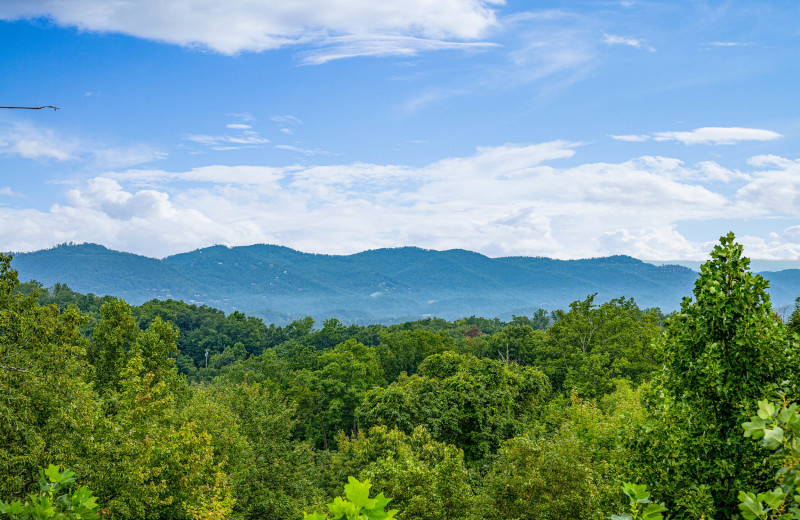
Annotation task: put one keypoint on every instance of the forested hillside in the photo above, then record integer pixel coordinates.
(168, 410)
(281, 285)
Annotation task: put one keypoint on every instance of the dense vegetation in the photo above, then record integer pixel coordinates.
(169, 411)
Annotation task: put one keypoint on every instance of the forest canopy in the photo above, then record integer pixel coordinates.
(169, 410)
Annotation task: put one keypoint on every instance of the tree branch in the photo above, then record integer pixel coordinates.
(33, 108)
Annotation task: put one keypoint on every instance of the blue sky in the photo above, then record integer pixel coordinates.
(565, 129)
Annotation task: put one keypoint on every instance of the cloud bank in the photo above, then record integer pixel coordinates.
(502, 200)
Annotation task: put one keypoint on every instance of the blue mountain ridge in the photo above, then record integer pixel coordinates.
(387, 285)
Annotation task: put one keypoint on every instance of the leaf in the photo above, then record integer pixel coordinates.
(773, 498)
(358, 493)
(636, 492)
(787, 413)
(773, 437)
(52, 473)
(754, 428)
(314, 516)
(765, 409)
(751, 507)
(653, 512)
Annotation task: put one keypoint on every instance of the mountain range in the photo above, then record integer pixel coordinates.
(280, 284)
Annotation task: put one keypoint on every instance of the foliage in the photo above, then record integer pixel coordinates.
(47, 411)
(54, 499)
(403, 350)
(794, 319)
(721, 353)
(427, 479)
(472, 403)
(357, 505)
(777, 425)
(250, 429)
(570, 471)
(590, 346)
(327, 397)
(641, 507)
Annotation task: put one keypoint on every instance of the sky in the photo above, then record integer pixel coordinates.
(567, 129)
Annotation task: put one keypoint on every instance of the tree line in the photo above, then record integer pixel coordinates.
(170, 410)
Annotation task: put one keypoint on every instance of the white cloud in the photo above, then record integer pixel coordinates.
(298, 149)
(728, 44)
(613, 39)
(228, 142)
(775, 190)
(357, 27)
(245, 138)
(32, 142)
(718, 135)
(501, 200)
(6, 190)
(352, 47)
(631, 138)
(287, 119)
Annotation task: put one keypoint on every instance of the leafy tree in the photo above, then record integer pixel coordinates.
(403, 350)
(462, 400)
(47, 411)
(794, 320)
(567, 472)
(722, 351)
(250, 428)
(427, 479)
(328, 396)
(541, 479)
(591, 345)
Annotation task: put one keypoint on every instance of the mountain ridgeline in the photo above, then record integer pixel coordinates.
(279, 284)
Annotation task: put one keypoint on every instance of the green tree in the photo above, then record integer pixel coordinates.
(250, 427)
(591, 345)
(403, 350)
(722, 352)
(427, 479)
(47, 411)
(462, 400)
(794, 320)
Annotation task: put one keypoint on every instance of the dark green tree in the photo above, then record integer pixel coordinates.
(472, 403)
(722, 352)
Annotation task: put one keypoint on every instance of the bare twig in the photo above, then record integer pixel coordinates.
(33, 108)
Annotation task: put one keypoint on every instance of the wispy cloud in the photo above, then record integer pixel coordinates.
(7, 191)
(711, 135)
(613, 39)
(298, 149)
(390, 45)
(246, 137)
(718, 135)
(43, 144)
(287, 119)
(729, 44)
(631, 138)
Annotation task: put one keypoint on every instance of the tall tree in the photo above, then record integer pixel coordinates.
(721, 352)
